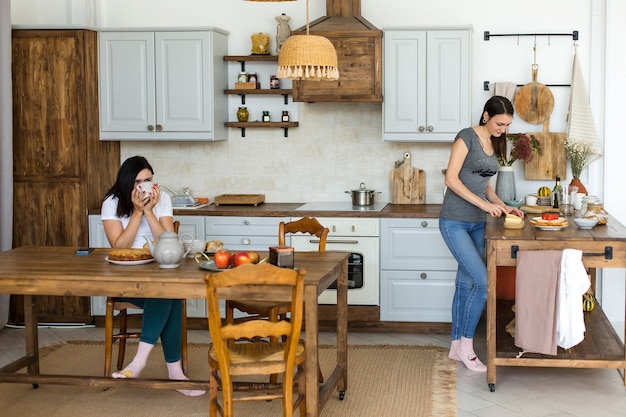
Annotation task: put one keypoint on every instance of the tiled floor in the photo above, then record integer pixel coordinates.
(536, 392)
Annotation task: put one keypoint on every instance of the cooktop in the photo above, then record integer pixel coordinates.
(340, 206)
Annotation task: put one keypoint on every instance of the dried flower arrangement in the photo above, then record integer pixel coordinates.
(523, 148)
(578, 154)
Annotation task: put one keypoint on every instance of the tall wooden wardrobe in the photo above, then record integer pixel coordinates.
(61, 168)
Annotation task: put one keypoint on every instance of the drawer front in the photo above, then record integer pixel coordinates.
(408, 296)
(256, 243)
(358, 226)
(414, 244)
(243, 226)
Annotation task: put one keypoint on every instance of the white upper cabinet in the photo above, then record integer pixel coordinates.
(163, 85)
(426, 84)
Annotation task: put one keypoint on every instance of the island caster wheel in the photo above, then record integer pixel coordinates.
(492, 387)
(35, 386)
(342, 395)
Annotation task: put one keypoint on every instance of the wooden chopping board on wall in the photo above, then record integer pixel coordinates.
(407, 185)
(552, 161)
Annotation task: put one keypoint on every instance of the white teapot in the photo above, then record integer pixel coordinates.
(169, 250)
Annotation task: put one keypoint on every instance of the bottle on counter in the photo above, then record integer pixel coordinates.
(557, 193)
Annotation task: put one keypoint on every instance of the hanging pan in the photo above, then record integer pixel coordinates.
(534, 101)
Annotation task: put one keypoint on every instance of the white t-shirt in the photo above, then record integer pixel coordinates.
(162, 209)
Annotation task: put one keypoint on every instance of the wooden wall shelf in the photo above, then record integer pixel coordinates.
(244, 125)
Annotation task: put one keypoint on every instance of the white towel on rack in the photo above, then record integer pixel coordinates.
(504, 89)
(580, 123)
(573, 283)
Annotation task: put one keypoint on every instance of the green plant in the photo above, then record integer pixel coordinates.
(523, 148)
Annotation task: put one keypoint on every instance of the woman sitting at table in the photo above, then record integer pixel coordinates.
(128, 215)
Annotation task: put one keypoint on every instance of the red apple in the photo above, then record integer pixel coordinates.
(254, 257)
(222, 259)
(241, 258)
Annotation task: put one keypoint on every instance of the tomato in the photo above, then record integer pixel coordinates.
(549, 216)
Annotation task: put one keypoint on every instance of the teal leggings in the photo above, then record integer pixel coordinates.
(162, 317)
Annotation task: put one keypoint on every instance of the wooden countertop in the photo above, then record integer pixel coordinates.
(613, 231)
(289, 210)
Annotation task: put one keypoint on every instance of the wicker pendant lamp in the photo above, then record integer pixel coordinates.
(307, 57)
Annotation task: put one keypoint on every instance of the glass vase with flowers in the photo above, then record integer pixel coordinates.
(517, 146)
(579, 155)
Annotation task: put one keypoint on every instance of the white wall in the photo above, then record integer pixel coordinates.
(339, 145)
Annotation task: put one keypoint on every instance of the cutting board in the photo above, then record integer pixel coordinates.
(538, 209)
(552, 161)
(407, 185)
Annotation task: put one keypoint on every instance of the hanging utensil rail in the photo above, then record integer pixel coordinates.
(487, 34)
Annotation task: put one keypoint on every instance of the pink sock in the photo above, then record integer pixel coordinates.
(133, 369)
(468, 357)
(454, 350)
(175, 371)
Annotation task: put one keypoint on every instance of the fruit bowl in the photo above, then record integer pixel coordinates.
(586, 222)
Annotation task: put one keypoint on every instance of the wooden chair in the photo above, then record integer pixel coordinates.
(272, 309)
(114, 304)
(243, 358)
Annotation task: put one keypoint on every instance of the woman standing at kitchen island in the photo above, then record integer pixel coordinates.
(469, 195)
(128, 215)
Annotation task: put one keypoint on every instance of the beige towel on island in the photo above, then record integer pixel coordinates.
(536, 286)
(504, 89)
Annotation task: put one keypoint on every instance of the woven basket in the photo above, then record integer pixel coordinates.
(308, 57)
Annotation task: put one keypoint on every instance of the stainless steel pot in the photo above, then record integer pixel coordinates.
(362, 196)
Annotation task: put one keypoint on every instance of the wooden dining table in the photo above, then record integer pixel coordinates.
(32, 271)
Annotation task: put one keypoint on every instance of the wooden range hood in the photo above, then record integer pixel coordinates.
(359, 52)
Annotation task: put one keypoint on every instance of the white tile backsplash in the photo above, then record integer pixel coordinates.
(336, 147)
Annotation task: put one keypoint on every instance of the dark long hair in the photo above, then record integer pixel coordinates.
(125, 183)
(494, 106)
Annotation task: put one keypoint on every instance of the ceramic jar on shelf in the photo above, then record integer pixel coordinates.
(242, 114)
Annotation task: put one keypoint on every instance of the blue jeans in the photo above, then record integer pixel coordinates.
(162, 317)
(466, 241)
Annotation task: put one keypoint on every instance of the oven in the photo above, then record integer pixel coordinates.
(360, 237)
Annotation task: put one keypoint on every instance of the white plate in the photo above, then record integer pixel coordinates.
(210, 265)
(143, 261)
(547, 227)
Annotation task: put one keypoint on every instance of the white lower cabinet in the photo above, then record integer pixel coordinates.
(245, 233)
(417, 272)
(98, 239)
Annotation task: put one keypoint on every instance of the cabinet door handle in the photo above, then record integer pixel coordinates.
(424, 223)
(423, 275)
(245, 241)
(421, 128)
(430, 128)
(159, 128)
(150, 128)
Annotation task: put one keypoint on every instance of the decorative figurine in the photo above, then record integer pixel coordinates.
(283, 31)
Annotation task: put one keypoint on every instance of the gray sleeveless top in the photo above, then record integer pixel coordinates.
(475, 173)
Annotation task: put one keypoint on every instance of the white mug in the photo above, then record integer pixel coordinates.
(531, 200)
(577, 200)
(145, 189)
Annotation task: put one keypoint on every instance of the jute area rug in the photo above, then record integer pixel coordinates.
(383, 381)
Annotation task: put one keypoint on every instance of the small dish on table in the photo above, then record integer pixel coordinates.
(586, 223)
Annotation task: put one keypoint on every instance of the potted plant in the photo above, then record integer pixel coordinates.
(578, 154)
(519, 147)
